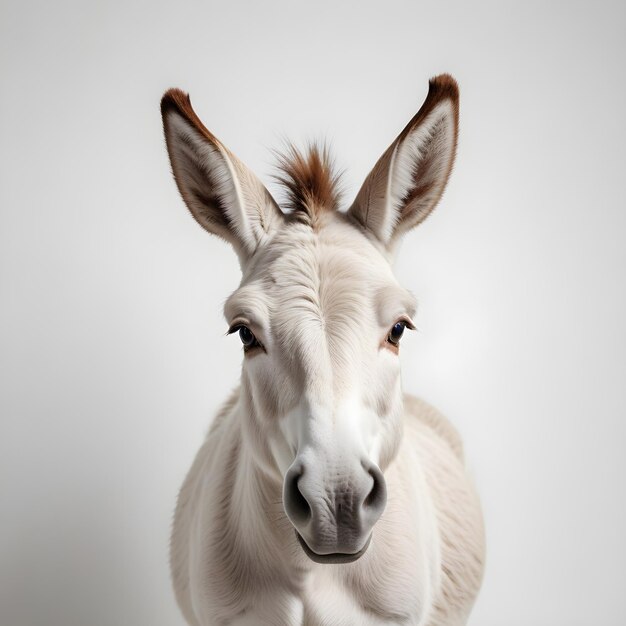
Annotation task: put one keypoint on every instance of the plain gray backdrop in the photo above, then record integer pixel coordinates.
(113, 356)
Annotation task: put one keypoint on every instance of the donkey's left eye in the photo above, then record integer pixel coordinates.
(395, 334)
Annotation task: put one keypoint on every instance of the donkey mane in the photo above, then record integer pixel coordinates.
(310, 179)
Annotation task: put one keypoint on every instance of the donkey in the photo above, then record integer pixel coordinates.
(322, 495)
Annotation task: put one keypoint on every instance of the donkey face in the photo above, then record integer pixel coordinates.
(319, 311)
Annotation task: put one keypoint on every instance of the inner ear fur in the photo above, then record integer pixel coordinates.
(408, 180)
(222, 194)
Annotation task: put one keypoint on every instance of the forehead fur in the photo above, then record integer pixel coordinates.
(329, 276)
(322, 301)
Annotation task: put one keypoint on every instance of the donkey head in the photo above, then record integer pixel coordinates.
(319, 311)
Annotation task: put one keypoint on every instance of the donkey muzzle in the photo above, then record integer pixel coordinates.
(334, 512)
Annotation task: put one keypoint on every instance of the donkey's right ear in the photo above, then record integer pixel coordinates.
(224, 196)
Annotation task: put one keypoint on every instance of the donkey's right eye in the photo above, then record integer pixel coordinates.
(247, 337)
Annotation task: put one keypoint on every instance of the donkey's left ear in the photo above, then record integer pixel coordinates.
(408, 180)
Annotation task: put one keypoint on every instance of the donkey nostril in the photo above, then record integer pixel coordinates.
(300, 502)
(296, 505)
(377, 497)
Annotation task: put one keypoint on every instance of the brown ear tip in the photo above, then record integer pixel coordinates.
(175, 99)
(443, 86)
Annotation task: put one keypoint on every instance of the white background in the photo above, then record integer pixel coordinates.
(113, 355)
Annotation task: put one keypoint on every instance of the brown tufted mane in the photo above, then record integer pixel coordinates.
(310, 179)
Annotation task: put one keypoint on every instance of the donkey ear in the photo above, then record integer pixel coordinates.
(224, 196)
(408, 180)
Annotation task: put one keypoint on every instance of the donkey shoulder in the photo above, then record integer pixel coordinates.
(435, 421)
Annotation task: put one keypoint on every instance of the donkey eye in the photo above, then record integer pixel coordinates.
(247, 337)
(395, 334)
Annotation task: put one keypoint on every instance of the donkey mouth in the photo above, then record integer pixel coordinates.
(333, 557)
